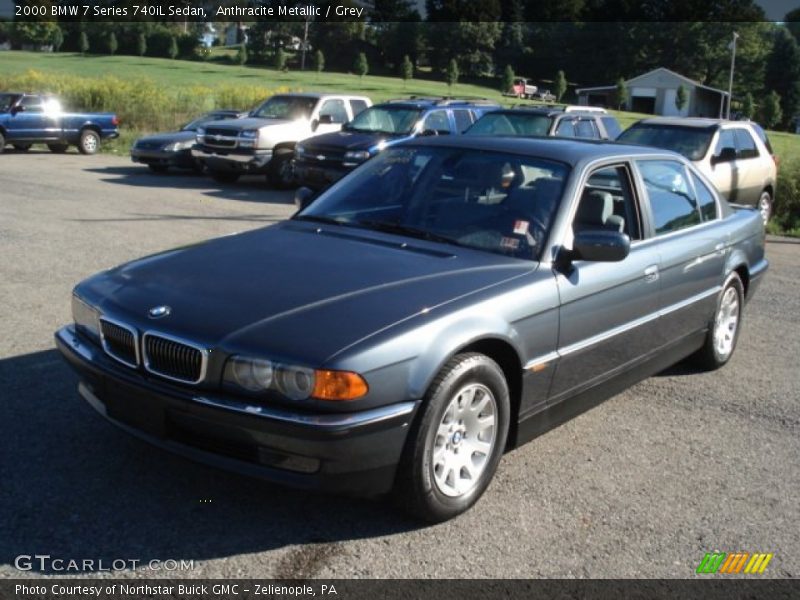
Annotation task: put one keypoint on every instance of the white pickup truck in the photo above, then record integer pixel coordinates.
(264, 141)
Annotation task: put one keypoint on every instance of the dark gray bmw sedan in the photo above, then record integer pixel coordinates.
(446, 301)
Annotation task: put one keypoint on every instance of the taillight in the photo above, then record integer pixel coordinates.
(777, 160)
(114, 120)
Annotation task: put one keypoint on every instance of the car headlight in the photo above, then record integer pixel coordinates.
(199, 133)
(355, 157)
(258, 375)
(185, 145)
(86, 318)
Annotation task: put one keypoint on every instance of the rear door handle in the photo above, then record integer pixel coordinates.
(651, 273)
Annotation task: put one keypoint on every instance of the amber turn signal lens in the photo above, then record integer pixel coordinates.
(338, 385)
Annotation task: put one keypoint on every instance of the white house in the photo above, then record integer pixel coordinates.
(655, 93)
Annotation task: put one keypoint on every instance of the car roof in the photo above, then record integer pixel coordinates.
(697, 122)
(319, 95)
(442, 102)
(566, 150)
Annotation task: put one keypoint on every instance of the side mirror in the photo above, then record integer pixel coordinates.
(727, 154)
(326, 119)
(314, 124)
(600, 246)
(429, 132)
(17, 109)
(303, 196)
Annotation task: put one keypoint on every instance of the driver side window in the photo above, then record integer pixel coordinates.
(607, 203)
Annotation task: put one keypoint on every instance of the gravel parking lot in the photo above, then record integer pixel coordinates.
(642, 486)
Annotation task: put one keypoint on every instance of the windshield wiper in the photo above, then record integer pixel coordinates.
(317, 219)
(407, 230)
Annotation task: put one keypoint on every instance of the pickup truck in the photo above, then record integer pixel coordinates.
(264, 142)
(27, 119)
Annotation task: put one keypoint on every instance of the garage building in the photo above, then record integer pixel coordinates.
(655, 92)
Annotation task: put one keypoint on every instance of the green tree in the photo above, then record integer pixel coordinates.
(560, 85)
(280, 59)
(622, 93)
(680, 97)
(111, 43)
(241, 55)
(57, 40)
(406, 69)
(782, 73)
(771, 113)
(319, 61)
(748, 106)
(173, 47)
(452, 74)
(141, 44)
(508, 79)
(83, 43)
(361, 66)
(792, 22)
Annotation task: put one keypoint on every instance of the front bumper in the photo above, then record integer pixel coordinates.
(317, 176)
(354, 453)
(232, 160)
(162, 158)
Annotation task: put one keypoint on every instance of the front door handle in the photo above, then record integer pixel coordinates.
(651, 273)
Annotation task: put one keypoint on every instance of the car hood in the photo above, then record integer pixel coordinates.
(295, 290)
(248, 123)
(168, 138)
(347, 140)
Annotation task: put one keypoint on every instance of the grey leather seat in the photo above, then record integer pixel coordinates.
(596, 211)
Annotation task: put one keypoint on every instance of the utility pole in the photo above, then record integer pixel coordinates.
(305, 45)
(732, 46)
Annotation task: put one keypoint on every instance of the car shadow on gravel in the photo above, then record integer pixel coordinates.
(75, 487)
(248, 189)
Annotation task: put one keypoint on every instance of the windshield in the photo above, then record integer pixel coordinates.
(691, 142)
(384, 119)
(6, 100)
(286, 107)
(493, 201)
(516, 124)
(205, 119)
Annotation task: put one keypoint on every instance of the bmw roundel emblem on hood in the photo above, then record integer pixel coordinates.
(159, 311)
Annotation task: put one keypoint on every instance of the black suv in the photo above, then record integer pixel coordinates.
(324, 159)
(582, 122)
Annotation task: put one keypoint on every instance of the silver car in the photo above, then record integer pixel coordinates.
(735, 155)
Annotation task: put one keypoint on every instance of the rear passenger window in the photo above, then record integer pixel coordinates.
(745, 144)
(672, 200)
(585, 128)
(706, 199)
(357, 106)
(565, 128)
(463, 119)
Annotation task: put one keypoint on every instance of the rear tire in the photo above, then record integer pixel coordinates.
(2, 142)
(224, 177)
(724, 331)
(57, 148)
(89, 142)
(22, 147)
(457, 440)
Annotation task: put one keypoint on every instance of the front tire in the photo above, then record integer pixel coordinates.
(89, 142)
(457, 441)
(765, 206)
(724, 332)
(281, 171)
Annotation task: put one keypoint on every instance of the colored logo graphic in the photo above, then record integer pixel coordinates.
(736, 562)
